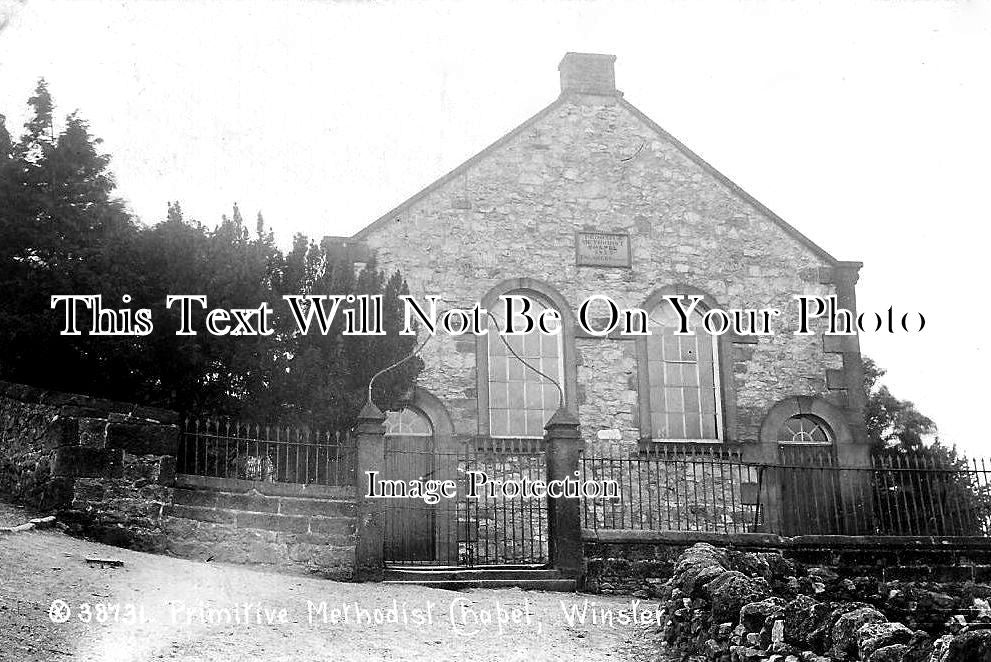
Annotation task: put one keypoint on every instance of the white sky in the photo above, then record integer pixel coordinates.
(865, 125)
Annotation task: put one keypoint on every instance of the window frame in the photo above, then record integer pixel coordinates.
(717, 397)
(725, 395)
(819, 422)
(541, 381)
(551, 298)
(418, 413)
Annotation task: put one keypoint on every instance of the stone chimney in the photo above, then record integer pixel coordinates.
(588, 73)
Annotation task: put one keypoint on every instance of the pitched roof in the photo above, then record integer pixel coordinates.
(692, 156)
(391, 214)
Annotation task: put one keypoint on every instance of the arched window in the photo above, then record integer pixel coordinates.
(409, 423)
(685, 403)
(806, 430)
(521, 401)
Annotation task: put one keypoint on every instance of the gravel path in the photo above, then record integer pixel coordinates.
(160, 608)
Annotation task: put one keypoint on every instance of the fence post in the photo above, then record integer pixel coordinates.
(564, 446)
(856, 493)
(369, 528)
(765, 457)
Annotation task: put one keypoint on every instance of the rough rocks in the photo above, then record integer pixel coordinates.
(974, 646)
(845, 630)
(892, 653)
(731, 590)
(755, 614)
(766, 627)
(874, 636)
(807, 621)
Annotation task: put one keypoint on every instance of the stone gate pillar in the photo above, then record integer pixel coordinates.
(369, 546)
(564, 446)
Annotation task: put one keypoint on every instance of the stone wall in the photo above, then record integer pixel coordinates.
(31, 431)
(107, 469)
(592, 163)
(637, 562)
(301, 529)
(730, 606)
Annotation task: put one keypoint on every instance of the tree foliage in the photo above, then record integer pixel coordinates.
(892, 423)
(923, 488)
(63, 230)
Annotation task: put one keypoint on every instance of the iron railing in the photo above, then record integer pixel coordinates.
(920, 495)
(466, 530)
(678, 488)
(704, 489)
(227, 449)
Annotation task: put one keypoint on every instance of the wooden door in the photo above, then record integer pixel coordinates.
(409, 523)
(811, 501)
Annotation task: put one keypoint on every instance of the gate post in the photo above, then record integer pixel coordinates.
(369, 548)
(564, 446)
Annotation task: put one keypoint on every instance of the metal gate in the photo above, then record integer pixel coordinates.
(463, 531)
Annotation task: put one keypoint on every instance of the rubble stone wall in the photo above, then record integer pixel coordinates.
(30, 433)
(107, 469)
(637, 562)
(730, 606)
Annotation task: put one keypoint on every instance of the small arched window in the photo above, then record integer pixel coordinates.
(683, 376)
(408, 423)
(806, 430)
(521, 401)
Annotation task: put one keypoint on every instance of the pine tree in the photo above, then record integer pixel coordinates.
(64, 231)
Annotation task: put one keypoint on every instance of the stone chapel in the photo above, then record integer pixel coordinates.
(592, 196)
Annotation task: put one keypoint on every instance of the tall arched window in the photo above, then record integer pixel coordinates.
(685, 403)
(521, 401)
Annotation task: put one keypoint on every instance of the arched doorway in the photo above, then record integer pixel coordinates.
(462, 530)
(410, 455)
(810, 485)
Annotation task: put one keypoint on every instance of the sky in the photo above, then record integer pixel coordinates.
(866, 125)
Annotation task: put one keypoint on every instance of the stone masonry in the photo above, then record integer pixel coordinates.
(106, 467)
(107, 470)
(592, 162)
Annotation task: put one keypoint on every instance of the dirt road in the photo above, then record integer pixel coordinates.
(159, 608)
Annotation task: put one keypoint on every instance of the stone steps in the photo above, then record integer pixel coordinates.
(534, 579)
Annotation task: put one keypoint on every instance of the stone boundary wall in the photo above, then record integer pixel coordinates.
(636, 562)
(732, 606)
(107, 469)
(304, 529)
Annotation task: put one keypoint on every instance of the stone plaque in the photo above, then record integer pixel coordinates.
(603, 249)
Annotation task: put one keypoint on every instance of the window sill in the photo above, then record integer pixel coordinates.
(703, 448)
(510, 444)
